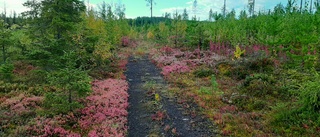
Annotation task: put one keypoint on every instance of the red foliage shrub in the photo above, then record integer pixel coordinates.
(221, 49)
(166, 50)
(21, 104)
(175, 61)
(122, 64)
(126, 42)
(228, 109)
(23, 68)
(159, 116)
(105, 113)
(46, 127)
(177, 67)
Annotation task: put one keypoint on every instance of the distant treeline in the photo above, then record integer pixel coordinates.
(11, 19)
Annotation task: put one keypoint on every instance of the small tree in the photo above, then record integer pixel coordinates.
(210, 15)
(194, 8)
(185, 15)
(251, 4)
(70, 84)
(5, 35)
(179, 29)
(224, 9)
(163, 31)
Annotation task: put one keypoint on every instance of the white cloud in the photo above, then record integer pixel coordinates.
(173, 10)
(204, 6)
(12, 5)
(16, 5)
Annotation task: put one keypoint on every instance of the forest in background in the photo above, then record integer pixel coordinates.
(53, 57)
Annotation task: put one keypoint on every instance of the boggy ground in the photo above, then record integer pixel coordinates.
(154, 111)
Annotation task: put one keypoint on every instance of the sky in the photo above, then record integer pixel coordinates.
(136, 8)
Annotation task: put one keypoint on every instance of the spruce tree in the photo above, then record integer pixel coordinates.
(5, 35)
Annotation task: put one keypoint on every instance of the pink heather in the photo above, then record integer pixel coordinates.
(104, 113)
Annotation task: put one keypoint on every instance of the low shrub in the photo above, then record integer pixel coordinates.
(6, 87)
(71, 85)
(203, 73)
(310, 94)
(293, 120)
(6, 71)
(259, 85)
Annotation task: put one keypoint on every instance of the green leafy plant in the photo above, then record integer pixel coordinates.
(150, 85)
(214, 83)
(238, 52)
(205, 90)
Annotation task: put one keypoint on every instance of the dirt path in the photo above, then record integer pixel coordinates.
(153, 111)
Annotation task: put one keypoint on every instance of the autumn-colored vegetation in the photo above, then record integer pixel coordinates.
(61, 72)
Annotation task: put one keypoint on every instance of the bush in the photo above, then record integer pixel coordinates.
(7, 87)
(291, 117)
(310, 94)
(242, 67)
(6, 71)
(71, 85)
(203, 73)
(260, 64)
(259, 85)
(205, 90)
(58, 104)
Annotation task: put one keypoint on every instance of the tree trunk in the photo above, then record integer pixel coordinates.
(311, 6)
(254, 2)
(224, 9)
(301, 6)
(151, 7)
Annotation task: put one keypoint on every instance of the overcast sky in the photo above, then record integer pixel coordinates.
(135, 8)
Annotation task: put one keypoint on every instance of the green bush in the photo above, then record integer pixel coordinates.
(293, 120)
(7, 87)
(310, 94)
(250, 103)
(6, 71)
(205, 90)
(58, 104)
(260, 64)
(239, 72)
(71, 84)
(203, 73)
(259, 85)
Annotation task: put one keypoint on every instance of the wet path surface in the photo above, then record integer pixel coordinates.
(152, 112)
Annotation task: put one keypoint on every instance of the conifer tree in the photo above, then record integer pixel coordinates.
(4, 39)
(185, 15)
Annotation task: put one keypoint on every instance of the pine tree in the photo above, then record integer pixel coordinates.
(185, 15)
(52, 23)
(210, 15)
(194, 8)
(5, 35)
(251, 4)
(61, 16)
